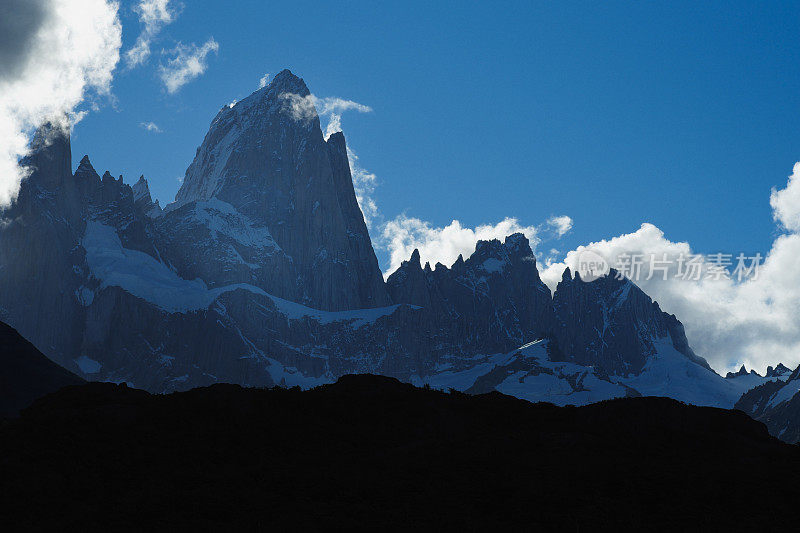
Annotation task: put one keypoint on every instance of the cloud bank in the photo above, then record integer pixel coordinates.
(53, 53)
(786, 203)
(755, 322)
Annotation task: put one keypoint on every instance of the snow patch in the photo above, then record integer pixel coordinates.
(785, 393)
(670, 373)
(221, 218)
(358, 317)
(88, 365)
(667, 373)
(144, 277)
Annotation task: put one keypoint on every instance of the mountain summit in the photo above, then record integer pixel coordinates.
(266, 158)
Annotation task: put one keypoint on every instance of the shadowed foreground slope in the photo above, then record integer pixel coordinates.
(26, 373)
(370, 451)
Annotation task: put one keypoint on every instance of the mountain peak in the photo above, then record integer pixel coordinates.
(266, 158)
(518, 243)
(286, 82)
(51, 156)
(415, 258)
(491, 247)
(85, 169)
(336, 140)
(141, 189)
(778, 371)
(742, 372)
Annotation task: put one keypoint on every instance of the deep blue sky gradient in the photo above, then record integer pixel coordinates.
(682, 114)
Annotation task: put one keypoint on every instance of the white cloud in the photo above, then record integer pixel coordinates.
(334, 125)
(305, 108)
(364, 183)
(443, 245)
(561, 225)
(403, 234)
(188, 63)
(154, 15)
(334, 107)
(301, 108)
(150, 126)
(786, 203)
(264, 81)
(729, 322)
(309, 107)
(62, 50)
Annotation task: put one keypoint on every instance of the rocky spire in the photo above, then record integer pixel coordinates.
(499, 281)
(267, 158)
(779, 371)
(141, 190)
(143, 201)
(85, 171)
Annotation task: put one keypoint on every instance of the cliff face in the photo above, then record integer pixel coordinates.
(495, 295)
(266, 158)
(612, 324)
(38, 234)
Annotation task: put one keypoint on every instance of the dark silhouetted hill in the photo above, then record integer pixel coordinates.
(26, 373)
(370, 452)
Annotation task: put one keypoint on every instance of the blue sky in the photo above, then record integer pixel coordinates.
(682, 115)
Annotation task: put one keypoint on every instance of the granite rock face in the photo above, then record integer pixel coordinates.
(266, 158)
(494, 298)
(39, 261)
(262, 272)
(611, 324)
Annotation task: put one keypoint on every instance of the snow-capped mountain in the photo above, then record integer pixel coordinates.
(262, 272)
(746, 381)
(776, 402)
(604, 339)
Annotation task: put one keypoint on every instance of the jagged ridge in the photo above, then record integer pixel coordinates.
(263, 272)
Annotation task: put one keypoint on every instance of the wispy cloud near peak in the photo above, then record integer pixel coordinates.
(188, 62)
(154, 15)
(150, 126)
